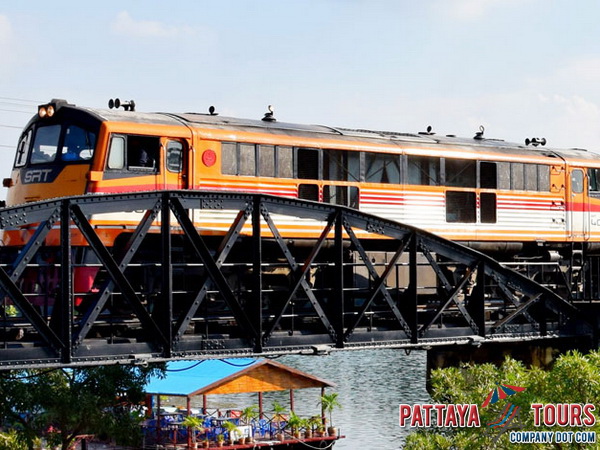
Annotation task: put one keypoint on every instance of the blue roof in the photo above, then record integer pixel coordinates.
(186, 377)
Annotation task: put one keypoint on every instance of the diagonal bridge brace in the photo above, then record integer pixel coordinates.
(380, 283)
(212, 269)
(299, 275)
(453, 298)
(94, 310)
(115, 272)
(221, 255)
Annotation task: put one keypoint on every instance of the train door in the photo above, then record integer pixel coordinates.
(175, 152)
(579, 214)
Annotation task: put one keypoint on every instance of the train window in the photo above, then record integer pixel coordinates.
(488, 207)
(308, 163)
(23, 149)
(460, 207)
(229, 158)
(543, 178)
(577, 181)
(78, 145)
(423, 170)
(517, 181)
(247, 161)
(594, 175)
(116, 155)
(341, 165)
(285, 162)
(531, 175)
(174, 156)
(460, 172)
(488, 176)
(341, 195)
(308, 192)
(142, 153)
(266, 160)
(503, 175)
(45, 144)
(382, 168)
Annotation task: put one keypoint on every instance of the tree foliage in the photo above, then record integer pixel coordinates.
(63, 403)
(574, 378)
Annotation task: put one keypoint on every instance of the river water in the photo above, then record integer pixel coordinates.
(371, 384)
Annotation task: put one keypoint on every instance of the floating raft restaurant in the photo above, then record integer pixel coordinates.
(244, 427)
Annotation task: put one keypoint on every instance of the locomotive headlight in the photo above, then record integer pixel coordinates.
(50, 110)
(42, 112)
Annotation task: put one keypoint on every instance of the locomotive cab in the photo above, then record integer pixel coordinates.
(54, 154)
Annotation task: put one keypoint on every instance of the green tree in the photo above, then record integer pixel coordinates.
(574, 378)
(63, 403)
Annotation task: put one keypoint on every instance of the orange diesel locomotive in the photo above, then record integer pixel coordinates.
(517, 201)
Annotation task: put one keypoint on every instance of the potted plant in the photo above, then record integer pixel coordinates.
(278, 417)
(232, 429)
(247, 416)
(295, 422)
(312, 424)
(205, 443)
(220, 440)
(193, 424)
(329, 402)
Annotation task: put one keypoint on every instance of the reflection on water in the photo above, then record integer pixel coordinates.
(371, 384)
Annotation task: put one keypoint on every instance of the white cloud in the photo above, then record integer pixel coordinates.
(124, 24)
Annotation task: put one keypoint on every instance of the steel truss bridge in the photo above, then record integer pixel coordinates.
(171, 291)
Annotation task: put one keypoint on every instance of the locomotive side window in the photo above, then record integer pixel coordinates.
(543, 178)
(285, 162)
(308, 163)
(488, 175)
(461, 207)
(517, 180)
(174, 156)
(460, 173)
(116, 155)
(531, 177)
(143, 153)
(594, 175)
(577, 181)
(247, 161)
(229, 158)
(423, 170)
(266, 161)
(134, 153)
(340, 165)
(308, 192)
(382, 168)
(341, 195)
(503, 175)
(487, 202)
(45, 144)
(23, 150)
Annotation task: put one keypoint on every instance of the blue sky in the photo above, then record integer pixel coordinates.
(521, 68)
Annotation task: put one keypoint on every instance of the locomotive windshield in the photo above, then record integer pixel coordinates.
(56, 143)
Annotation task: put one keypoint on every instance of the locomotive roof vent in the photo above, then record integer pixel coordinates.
(535, 141)
(479, 134)
(116, 103)
(428, 132)
(269, 117)
(212, 112)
